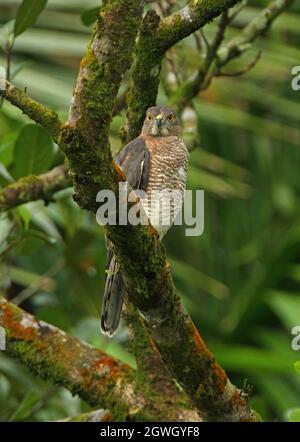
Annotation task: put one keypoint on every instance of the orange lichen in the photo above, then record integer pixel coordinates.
(108, 418)
(152, 230)
(107, 365)
(199, 341)
(13, 324)
(220, 377)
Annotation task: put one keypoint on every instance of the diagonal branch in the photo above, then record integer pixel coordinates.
(138, 249)
(260, 24)
(84, 370)
(85, 136)
(192, 17)
(34, 187)
(218, 57)
(150, 288)
(155, 38)
(54, 355)
(84, 139)
(39, 113)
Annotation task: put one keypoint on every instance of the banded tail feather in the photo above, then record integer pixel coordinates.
(113, 297)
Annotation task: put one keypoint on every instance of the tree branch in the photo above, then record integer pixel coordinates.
(84, 139)
(260, 24)
(192, 17)
(85, 136)
(218, 57)
(34, 187)
(173, 334)
(84, 370)
(155, 37)
(52, 354)
(39, 113)
(148, 280)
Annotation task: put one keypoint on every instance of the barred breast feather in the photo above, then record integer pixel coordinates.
(166, 180)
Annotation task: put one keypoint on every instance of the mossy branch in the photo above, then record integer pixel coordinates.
(172, 332)
(138, 249)
(155, 38)
(54, 355)
(192, 17)
(217, 57)
(34, 187)
(85, 136)
(84, 370)
(258, 26)
(98, 378)
(39, 113)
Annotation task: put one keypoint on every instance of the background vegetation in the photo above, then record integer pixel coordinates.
(239, 281)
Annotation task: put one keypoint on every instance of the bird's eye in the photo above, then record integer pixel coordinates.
(170, 117)
(149, 117)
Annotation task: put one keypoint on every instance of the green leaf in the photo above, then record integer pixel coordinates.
(297, 366)
(25, 215)
(23, 277)
(18, 67)
(7, 35)
(5, 228)
(24, 410)
(7, 149)
(28, 12)
(34, 151)
(89, 16)
(286, 306)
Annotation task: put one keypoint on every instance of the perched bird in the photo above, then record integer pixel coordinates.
(155, 162)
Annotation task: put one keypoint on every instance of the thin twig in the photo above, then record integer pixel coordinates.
(36, 111)
(242, 71)
(237, 9)
(36, 285)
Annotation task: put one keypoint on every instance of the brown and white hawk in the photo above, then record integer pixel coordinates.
(157, 163)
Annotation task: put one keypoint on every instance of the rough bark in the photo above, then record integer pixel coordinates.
(39, 113)
(218, 57)
(155, 38)
(34, 187)
(84, 137)
(96, 377)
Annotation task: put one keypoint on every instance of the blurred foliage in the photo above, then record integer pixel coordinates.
(240, 280)
(293, 415)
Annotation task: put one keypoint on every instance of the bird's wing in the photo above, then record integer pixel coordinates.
(134, 160)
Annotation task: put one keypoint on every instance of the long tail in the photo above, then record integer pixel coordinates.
(113, 297)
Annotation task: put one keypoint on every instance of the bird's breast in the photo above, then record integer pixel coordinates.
(168, 164)
(166, 181)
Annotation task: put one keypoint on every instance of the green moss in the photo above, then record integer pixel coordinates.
(37, 362)
(36, 111)
(108, 56)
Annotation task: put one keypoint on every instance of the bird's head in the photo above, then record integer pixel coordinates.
(161, 121)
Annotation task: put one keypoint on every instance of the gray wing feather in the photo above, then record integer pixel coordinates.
(134, 160)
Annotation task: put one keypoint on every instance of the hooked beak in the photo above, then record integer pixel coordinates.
(158, 121)
(157, 124)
